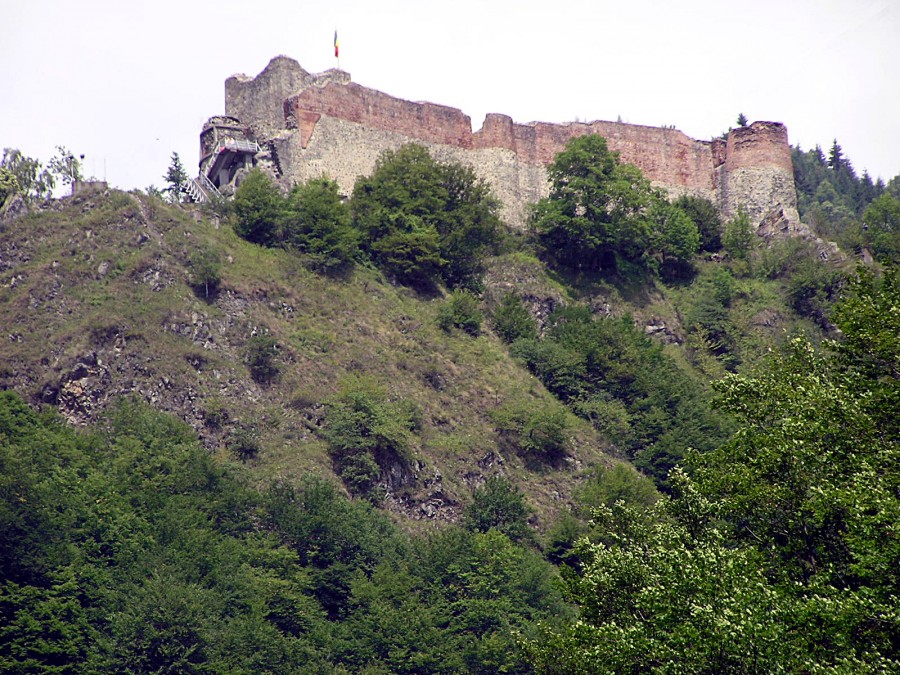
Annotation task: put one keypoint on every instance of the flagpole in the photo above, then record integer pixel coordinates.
(337, 52)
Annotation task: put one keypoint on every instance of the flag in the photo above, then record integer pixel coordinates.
(335, 44)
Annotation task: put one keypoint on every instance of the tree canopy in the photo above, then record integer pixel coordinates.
(32, 180)
(312, 220)
(423, 221)
(603, 216)
(128, 548)
(778, 553)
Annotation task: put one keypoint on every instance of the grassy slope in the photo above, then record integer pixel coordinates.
(95, 301)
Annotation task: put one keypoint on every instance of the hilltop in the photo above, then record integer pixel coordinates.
(298, 125)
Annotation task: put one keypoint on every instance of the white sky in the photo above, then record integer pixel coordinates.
(127, 82)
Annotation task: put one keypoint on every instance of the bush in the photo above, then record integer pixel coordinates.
(608, 416)
(706, 217)
(460, 311)
(412, 257)
(593, 219)
(244, 443)
(258, 208)
(737, 239)
(364, 430)
(512, 320)
(608, 485)
(360, 473)
(9, 185)
(259, 355)
(316, 222)
(499, 505)
(539, 429)
(205, 272)
(424, 221)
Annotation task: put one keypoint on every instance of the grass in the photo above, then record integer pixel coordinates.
(156, 337)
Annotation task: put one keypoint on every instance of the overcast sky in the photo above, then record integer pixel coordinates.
(128, 82)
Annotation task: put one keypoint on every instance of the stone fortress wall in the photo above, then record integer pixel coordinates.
(315, 124)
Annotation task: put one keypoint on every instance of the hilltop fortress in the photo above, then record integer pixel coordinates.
(298, 125)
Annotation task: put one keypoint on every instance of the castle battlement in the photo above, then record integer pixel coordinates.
(312, 124)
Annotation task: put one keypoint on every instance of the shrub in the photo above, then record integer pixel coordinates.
(9, 185)
(460, 311)
(500, 505)
(609, 416)
(364, 429)
(512, 320)
(205, 271)
(539, 429)
(244, 443)
(706, 217)
(258, 207)
(737, 239)
(608, 485)
(259, 355)
(316, 222)
(422, 220)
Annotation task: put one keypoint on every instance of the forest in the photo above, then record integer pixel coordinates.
(745, 523)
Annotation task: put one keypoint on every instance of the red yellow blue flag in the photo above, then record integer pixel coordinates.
(335, 44)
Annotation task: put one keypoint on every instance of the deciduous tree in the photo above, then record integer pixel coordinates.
(34, 182)
(423, 221)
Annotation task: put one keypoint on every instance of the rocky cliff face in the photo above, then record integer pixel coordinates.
(325, 124)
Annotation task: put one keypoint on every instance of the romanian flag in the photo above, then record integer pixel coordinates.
(335, 44)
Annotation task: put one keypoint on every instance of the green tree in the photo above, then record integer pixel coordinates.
(469, 227)
(424, 221)
(500, 505)
(365, 431)
(460, 311)
(706, 217)
(618, 483)
(33, 180)
(162, 629)
(512, 320)
(205, 269)
(316, 222)
(882, 223)
(594, 219)
(777, 554)
(258, 209)
(742, 120)
(259, 355)
(676, 238)
(9, 185)
(65, 165)
(177, 179)
(737, 239)
(663, 592)
(538, 429)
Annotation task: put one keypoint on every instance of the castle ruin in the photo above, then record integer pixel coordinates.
(298, 125)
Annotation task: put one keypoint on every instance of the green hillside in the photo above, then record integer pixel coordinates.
(100, 296)
(294, 433)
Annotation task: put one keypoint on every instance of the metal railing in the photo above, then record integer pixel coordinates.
(207, 185)
(240, 146)
(194, 191)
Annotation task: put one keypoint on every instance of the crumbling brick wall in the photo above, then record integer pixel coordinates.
(324, 124)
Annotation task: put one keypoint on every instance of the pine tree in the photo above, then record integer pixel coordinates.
(177, 179)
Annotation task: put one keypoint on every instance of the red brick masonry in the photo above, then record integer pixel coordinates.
(664, 155)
